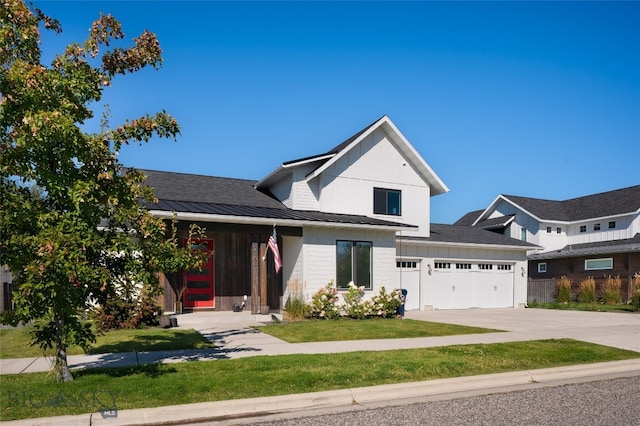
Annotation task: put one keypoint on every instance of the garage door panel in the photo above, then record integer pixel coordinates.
(475, 288)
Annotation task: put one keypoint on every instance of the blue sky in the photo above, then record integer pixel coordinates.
(538, 99)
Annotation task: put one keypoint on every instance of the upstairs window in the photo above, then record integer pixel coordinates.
(583, 228)
(542, 267)
(612, 224)
(596, 226)
(386, 201)
(548, 229)
(558, 230)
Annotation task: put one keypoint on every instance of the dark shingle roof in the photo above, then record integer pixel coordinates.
(208, 189)
(187, 193)
(620, 201)
(469, 218)
(469, 235)
(336, 149)
(591, 249)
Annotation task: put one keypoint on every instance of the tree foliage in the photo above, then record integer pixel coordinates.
(72, 220)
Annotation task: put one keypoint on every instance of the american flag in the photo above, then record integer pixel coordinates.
(273, 245)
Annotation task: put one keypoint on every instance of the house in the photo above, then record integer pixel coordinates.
(595, 236)
(359, 212)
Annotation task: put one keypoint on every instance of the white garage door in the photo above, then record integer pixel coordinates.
(466, 285)
(408, 278)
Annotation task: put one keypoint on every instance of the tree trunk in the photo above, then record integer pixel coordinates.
(60, 366)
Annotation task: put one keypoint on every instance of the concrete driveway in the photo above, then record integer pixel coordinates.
(233, 334)
(620, 330)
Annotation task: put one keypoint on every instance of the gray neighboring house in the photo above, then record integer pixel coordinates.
(595, 236)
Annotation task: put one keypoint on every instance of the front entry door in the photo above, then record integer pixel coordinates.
(198, 291)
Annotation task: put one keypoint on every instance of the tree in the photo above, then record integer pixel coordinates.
(70, 242)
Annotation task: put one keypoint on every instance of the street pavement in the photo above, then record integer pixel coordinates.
(235, 337)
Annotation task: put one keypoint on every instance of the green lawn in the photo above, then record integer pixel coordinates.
(16, 343)
(576, 306)
(345, 329)
(38, 395)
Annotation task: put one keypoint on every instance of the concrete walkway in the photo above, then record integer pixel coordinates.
(235, 337)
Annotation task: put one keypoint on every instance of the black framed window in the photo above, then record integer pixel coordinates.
(353, 263)
(387, 201)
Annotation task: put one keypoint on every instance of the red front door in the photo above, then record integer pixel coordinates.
(198, 291)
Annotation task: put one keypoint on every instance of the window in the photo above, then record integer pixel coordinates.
(386, 201)
(542, 267)
(612, 224)
(353, 263)
(485, 266)
(595, 264)
(596, 226)
(583, 228)
(548, 229)
(463, 266)
(442, 265)
(523, 234)
(558, 230)
(503, 267)
(406, 264)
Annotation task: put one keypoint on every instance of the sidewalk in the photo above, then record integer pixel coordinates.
(235, 338)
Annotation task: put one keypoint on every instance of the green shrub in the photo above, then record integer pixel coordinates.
(324, 303)
(354, 304)
(295, 307)
(385, 304)
(635, 298)
(563, 290)
(587, 291)
(611, 290)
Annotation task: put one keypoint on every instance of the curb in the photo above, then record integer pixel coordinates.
(360, 398)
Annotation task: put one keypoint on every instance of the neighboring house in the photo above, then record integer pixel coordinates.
(359, 212)
(593, 236)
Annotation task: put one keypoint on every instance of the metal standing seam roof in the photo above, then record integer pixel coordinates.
(185, 193)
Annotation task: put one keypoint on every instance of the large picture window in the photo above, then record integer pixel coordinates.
(386, 201)
(353, 263)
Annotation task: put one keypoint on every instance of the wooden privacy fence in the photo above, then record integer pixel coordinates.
(541, 291)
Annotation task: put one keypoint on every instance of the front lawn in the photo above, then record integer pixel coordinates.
(16, 342)
(346, 329)
(153, 385)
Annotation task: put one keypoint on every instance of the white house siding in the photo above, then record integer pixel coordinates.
(552, 240)
(522, 220)
(485, 289)
(319, 252)
(292, 266)
(296, 192)
(626, 227)
(347, 186)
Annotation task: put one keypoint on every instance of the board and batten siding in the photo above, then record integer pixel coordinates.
(347, 186)
(319, 253)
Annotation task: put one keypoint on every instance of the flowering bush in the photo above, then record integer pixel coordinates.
(324, 303)
(385, 304)
(354, 306)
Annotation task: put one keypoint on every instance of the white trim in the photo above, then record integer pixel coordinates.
(597, 260)
(474, 245)
(207, 217)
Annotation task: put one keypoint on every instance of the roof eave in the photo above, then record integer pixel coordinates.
(250, 220)
(426, 241)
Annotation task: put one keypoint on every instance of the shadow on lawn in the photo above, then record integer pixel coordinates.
(131, 358)
(160, 341)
